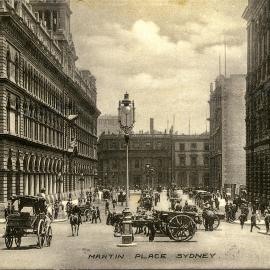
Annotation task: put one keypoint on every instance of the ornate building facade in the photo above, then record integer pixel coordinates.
(257, 15)
(181, 159)
(227, 134)
(47, 106)
(152, 149)
(191, 160)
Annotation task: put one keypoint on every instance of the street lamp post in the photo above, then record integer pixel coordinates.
(152, 171)
(126, 118)
(147, 167)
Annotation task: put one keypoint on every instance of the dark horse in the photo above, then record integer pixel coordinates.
(75, 223)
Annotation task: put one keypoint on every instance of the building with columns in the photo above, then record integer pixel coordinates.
(48, 113)
(227, 133)
(257, 15)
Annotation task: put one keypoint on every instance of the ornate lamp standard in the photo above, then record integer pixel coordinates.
(126, 118)
(147, 168)
(152, 172)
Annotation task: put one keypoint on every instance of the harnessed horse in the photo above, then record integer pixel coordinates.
(75, 223)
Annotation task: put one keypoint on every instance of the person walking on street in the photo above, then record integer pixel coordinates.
(178, 207)
(227, 210)
(94, 215)
(217, 203)
(107, 206)
(267, 220)
(98, 214)
(114, 203)
(242, 219)
(254, 218)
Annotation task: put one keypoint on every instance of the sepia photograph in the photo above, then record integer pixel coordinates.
(134, 134)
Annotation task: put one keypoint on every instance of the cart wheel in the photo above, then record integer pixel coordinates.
(49, 236)
(8, 241)
(18, 241)
(87, 215)
(41, 233)
(181, 228)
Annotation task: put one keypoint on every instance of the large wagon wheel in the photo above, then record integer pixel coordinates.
(41, 233)
(9, 241)
(181, 228)
(49, 236)
(87, 215)
(18, 240)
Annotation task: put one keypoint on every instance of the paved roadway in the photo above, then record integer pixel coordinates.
(228, 247)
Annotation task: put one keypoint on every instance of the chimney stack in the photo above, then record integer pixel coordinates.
(151, 125)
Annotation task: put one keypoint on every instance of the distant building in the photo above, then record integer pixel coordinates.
(191, 160)
(108, 124)
(182, 159)
(257, 15)
(227, 133)
(143, 149)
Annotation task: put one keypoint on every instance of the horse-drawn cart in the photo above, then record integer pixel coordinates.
(86, 212)
(175, 225)
(29, 217)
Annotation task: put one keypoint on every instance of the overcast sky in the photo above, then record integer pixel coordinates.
(164, 53)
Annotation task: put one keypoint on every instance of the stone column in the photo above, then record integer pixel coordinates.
(41, 181)
(25, 184)
(50, 183)
(46, 183)
(31, 185)
(13, 184)
(54, 184)
(37, 184)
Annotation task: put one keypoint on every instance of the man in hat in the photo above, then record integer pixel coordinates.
(209, 217)
(178, 206)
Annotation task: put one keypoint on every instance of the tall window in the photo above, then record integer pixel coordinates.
(206, 161)
(206, 146)
(12, 64)
(25, 119)
(194, 146)
(182, 160)
(193, 160)
(13, 114)
(137, 164)
(182, 147)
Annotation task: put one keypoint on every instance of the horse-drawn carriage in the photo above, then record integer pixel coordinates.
(201, 197)
(28, 217)
(177, 226)
(86, 212)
